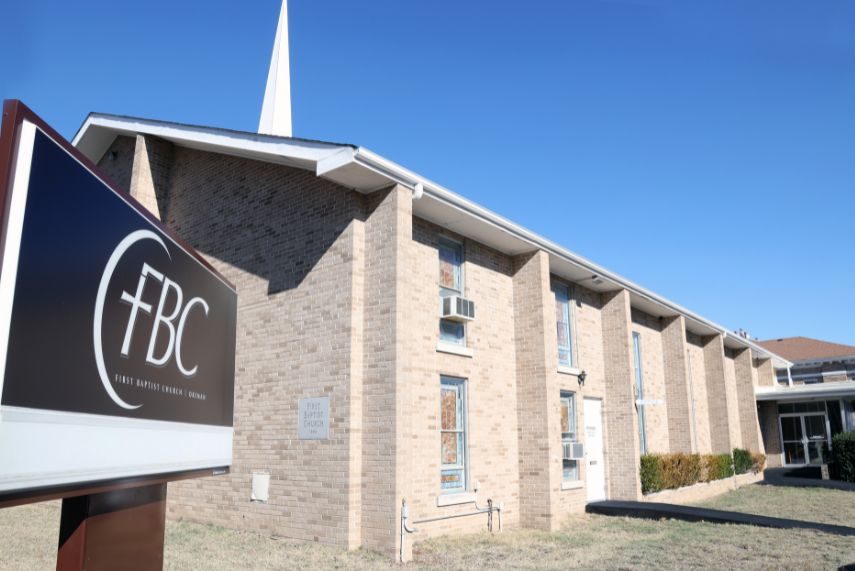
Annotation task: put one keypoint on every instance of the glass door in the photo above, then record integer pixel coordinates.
(803, 436)
(792, 434)
(815, 437)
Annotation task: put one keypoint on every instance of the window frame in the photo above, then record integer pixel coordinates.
(569, 398)
(461, 387)
(639, 392)
(556, 287)
(447, 242)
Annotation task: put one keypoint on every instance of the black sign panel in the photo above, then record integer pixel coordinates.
(110, 315)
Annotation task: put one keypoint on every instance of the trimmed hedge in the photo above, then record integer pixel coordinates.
(651, 474)
(670, 471)
(742, 461)
(717, 467)
(843, 445)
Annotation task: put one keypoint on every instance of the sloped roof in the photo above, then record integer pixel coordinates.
(807, 349)
(358, 168)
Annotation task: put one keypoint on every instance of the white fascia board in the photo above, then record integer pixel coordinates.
(251, 145)
(327, 157)
(796, 392)
(335, 161)
(409, 179)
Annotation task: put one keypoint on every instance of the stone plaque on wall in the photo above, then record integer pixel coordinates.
(314, 418)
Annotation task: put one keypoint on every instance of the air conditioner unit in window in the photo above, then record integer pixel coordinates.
(457, 308)
(574, 450)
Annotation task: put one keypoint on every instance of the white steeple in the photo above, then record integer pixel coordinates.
(276, 109)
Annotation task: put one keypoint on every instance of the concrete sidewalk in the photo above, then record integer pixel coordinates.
(651, 510)
(778, 477)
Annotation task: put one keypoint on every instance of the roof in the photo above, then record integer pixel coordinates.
(807, 349)
(360, 169)
(834, 389)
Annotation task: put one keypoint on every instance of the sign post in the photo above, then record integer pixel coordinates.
(117, 344)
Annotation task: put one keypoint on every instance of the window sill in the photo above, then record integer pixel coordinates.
(455, 499)
(454, 349)
(573, 485)
(565, 370)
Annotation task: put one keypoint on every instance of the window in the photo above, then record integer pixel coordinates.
(568, 434)
(562, 321)
(451, 283)
(453, 474)
(639, 392)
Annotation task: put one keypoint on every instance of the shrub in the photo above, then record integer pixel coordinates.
(758, 462)
(742, 461)
(717, 467)
(680, 470)
(651, 474)
(843, 445)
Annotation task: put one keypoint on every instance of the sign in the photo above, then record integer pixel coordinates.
(646, 402)
(116, 339)
(313, 418)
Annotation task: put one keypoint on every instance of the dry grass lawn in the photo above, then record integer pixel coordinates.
(808, 504)
(586, 542)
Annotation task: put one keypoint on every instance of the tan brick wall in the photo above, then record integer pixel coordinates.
(748, 423)
(716, 394)
(118, 162)
(732, 400)
(338, 296)
(490, 375)
(386, 390)
(698, 387)
(771, 433)
(765, 373)
(151, 173)
(621, 422)
(537, 402)
(286, 239)
(678, 402)
(653, 374)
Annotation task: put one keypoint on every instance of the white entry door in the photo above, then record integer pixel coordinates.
(595, 469)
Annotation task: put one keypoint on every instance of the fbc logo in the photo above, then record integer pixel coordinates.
(169, 317)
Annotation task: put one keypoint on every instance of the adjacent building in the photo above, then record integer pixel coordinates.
(807, 403)
(397, 341)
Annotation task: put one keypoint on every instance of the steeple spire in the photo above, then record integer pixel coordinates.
(276, 109)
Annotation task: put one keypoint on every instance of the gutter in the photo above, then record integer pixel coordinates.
(419, 185)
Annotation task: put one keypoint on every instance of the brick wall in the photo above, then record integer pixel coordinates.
(768, 415)
(620, 416)
(732, 400)
(698, 394)
(653, 373)
(678, 399)
(748, 423)
(338, 297)
(716, 394)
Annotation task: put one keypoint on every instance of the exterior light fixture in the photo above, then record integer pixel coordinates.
(582, 376)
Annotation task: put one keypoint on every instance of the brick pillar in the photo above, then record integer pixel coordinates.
(150, 174)
(385, 398)
(537, 360)
(766, 373)
(767, 412)
(748, 423)
(357, 372)
(621, 418)
(681, 426)
(717, 394)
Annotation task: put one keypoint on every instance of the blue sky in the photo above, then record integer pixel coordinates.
(705, 150)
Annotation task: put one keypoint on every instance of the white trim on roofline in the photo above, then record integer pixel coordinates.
(817, 390)
(332, 161)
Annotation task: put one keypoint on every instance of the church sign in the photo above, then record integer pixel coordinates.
(117, 340)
